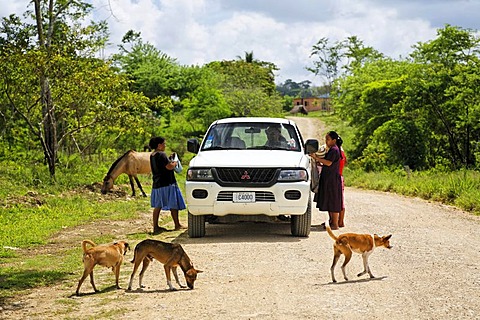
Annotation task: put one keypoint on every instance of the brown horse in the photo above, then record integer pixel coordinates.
(131, 163)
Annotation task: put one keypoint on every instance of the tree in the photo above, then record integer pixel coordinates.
(447, 86)
(433, 97)
(300, 90)
(248, 57)
(206, 102)
(343, 55)
(329, 60)
(248, 88)
(369, 97)
(54, 84)
(394, 144)
(151, 71)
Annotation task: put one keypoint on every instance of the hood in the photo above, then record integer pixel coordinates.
(250, 158)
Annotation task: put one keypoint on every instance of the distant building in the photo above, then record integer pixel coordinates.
(321, 102)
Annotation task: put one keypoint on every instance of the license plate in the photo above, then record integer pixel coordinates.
(244, 197)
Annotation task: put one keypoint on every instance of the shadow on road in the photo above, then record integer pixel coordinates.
(354, 281)
(243, 232)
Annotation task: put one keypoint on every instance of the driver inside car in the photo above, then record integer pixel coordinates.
(275, 138)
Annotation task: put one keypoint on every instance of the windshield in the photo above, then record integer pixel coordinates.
(252, 135)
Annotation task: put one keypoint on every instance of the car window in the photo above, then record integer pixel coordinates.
(246, 135)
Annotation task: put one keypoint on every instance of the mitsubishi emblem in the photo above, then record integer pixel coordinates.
(245, 176)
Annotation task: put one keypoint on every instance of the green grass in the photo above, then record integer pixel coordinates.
(25, 225)
(33, 209)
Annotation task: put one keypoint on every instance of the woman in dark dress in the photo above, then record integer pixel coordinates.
(329, 197)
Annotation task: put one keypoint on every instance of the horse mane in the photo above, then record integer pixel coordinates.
(117, 161)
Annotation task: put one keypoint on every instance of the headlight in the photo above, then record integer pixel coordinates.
(293, 175)
(199, 175)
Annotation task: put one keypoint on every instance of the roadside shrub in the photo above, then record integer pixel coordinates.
(395, 144)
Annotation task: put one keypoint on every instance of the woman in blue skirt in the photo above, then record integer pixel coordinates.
(166, 194)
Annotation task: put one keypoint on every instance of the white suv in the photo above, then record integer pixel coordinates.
(237, 171)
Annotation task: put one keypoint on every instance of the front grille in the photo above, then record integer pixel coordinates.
(260, 196)
(245, 176)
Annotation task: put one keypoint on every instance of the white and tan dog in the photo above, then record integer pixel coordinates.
(363, 244)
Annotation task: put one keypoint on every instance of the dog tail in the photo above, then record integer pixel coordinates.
(134, 254)
(330, 233)
(84, 244)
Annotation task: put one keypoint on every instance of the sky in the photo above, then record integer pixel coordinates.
(283, 32)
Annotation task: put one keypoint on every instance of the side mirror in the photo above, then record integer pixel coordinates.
(311, 146)
(193, 145)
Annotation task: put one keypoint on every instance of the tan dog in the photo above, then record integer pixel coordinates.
(110, 256)
(363, 244)
(170, 254)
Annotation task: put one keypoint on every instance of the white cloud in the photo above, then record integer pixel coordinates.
(279, 31)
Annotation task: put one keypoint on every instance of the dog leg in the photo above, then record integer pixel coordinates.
(175, 274)
(169, 279)
(366, 267)
(116, 270)
(92, 282)
(336, 256)
(146, 262)
(84, 276)
(348, 256)
(135, 268)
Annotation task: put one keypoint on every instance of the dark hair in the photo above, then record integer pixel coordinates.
(273, 127)
(339, 141)
(335, 136)
(155, 141)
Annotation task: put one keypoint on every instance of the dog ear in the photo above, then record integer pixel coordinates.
(387, 237)
(126, 247)
(199, 271)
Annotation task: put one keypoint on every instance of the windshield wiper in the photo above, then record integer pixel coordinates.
(273, 148)
(215, 148)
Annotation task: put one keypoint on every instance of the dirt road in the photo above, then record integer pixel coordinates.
(259, 271)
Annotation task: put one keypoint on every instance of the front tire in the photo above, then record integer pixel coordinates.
(301, 224)
(196, 226)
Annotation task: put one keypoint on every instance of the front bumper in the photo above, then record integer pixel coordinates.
(209, 198)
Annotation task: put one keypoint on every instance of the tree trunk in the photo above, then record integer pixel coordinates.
(49, 126)
(49, 122)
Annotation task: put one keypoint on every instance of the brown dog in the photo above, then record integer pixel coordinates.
(171, 255)
(110, 256)
(363, 244)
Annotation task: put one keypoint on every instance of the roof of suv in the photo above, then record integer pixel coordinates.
(254, 119)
